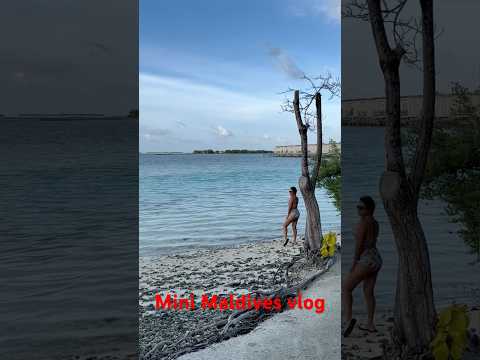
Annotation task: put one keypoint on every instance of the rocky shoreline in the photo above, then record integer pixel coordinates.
(237, 270)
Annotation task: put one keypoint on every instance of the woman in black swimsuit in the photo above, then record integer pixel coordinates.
(366, 265)
(292, 216)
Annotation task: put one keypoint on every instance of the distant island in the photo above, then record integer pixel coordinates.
(62, 116)
(164, 153)
(281, 151)
(232, 151)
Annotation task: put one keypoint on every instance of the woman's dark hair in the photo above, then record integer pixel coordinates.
(294, 189)
(369, 203)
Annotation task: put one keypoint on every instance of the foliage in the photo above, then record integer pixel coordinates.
(464, 207)
(133, 114)
(330, 175)
(329, 245)
(451, 337)
(453, 167)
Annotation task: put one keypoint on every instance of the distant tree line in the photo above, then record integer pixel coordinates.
(133, 114)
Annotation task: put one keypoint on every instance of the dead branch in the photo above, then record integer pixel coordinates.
(237, 323)
(318, 160)
(405, 31)
(248, 319)
(327, 84)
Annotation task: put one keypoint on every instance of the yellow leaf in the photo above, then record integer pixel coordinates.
(459, 319)
(441, 337)
(441, 352)
(458, 344)
(445, 317)
(456, 351)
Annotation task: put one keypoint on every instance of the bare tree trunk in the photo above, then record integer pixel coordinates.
(313, 230)
(318, 156)
(414, 306)
(414, 315)
(426, 126)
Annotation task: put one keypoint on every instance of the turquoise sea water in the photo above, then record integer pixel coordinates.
(219, 199)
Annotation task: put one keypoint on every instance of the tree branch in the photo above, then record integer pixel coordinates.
(316, 169)
(426, 125)
(302, 129)
(389, 61)
(384, 50)
(404, 31)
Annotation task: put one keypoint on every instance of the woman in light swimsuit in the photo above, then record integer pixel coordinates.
(292, 216)
(366, 265)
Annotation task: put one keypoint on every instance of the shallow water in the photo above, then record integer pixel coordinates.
(203, 200)
(455, 278)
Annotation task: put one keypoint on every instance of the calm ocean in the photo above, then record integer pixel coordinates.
(68, 231)
(203, 200)
(454, 273)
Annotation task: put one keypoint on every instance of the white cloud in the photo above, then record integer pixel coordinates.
(175, 97)
(221, 131)
(19, 75)
(330, 9)
(154, 134)
(177, 114)
(181, 123)
(286, 63)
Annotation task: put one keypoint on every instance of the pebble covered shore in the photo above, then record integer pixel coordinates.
(234, 270)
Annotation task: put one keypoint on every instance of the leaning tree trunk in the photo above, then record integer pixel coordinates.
(306, 183)
(313, 230)
(414, 317)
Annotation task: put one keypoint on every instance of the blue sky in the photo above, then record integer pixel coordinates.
(211, 72)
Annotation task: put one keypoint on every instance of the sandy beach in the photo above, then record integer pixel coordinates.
(241, 269)
(362, 345)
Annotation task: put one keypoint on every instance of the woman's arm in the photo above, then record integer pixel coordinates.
(359, 239)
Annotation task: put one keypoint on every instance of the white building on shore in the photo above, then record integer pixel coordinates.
(296, 150)
(371, 111)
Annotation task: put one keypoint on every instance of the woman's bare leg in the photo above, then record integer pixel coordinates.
(350, 283)
(285, 230)
(368, 291)
(294, 229)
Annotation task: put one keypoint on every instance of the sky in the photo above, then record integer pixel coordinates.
(456, 59)
(213, 73)
(69, 56)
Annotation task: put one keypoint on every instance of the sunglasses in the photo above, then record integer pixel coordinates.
(360, 207)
